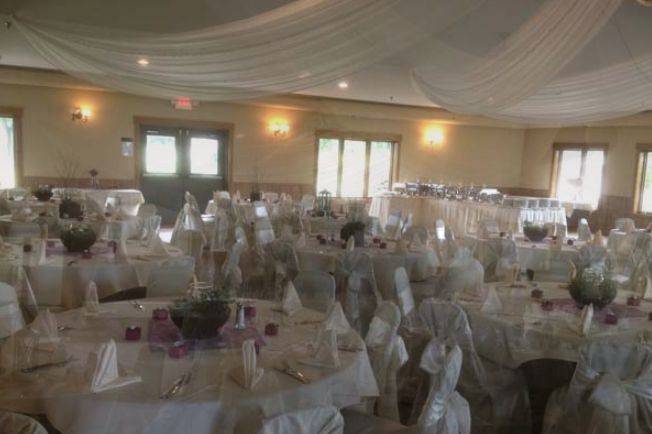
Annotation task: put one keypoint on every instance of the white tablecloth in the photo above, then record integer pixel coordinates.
(128, 200)
(462, 216)
(62, 279)
(212, 403)
(385, 261)
(535, 256)
(510, 340)
(36, 207)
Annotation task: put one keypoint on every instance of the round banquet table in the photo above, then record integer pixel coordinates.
(534, 256)
(325, 257)
(520, 331)
(62, 278)
(212, 402)
(37, 207)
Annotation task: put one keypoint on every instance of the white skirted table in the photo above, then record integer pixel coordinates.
(35, 207)
(61, 278)
(211, 402)
(520, 330)
(127, 200)
(462, 217)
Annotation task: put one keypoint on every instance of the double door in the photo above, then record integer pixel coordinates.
(176, 160)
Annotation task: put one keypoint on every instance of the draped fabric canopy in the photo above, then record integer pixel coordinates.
(558, 62)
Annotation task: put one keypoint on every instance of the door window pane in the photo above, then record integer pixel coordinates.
(204, 156)
(7, 163)
(380, 164)
(160, 154)
(646, 195)
(327, 164)
(354, 156)
(569, 182)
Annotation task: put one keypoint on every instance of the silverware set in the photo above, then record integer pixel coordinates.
(136, 305)
(296, 374)
(61, 328)
(177, 386)
(46, 365)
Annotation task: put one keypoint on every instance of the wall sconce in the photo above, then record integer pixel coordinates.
(82, 114)
(279, 128)
(434, 136)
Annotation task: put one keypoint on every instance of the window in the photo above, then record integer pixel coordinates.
(160, 154)
(578, 174)
(203, 156)
(643, 197)
(7, 155)
(354, 165)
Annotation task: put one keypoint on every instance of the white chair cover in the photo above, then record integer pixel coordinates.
(14, 423)
(583, 230)
(610, 392)
(280, 263)
(270, 197)
(394, 225)
(592, 256)
(355, 274)
(316, 290)
(188, 219)
(317, 420)
(463, 274)
(498, 259)
(404, 296)
(307, 203)
(498, 396)
(231, 275)
(387, 354)
(191, 243)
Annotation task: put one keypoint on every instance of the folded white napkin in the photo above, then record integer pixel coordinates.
(291, 303)
(121, 252)
(586, 317)
(350, 244)
(325, 354)
(336, 319)
(157, 248)
(300, 242)
(249, 374)
(91, 300)
(492, 303)
(45, 325)
(102, 369)
(41, 249)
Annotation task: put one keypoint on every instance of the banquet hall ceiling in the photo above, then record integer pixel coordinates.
(388, 81)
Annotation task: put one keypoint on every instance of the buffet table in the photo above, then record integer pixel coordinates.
(211, 402)
(462, 216)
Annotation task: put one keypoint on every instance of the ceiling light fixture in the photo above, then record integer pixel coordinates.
(143, 62)
(343, 85)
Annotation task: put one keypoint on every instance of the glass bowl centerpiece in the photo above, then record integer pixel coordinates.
(592, 286)
(78, 238)
(534, 233)
(43, 193)
(201, 316)
(353, 229)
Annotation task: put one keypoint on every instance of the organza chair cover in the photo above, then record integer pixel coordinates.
(463, 273)
(583, 230)
(405, 297)
(354, 274)
(384, 269)
(270, 197)
(11, 316)
(150, 227)
(317, 420)
(497, 396)
(222, 230)
(592, 256)
(316, 290)
(230, 274)
(387, 354)
(191, 243)
(445, 410)
(188, 219)
(499, 258)
(14, 276)
(14, 423)
(394, 225)
(610, 392)
(279, 263)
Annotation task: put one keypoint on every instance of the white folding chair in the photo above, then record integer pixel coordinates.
(316, 289)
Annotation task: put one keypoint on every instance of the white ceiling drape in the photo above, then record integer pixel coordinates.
(293, 47)
(555, 62)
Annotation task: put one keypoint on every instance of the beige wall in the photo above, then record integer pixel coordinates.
(479, 154)
(620, 170)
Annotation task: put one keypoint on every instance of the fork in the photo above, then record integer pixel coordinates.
(136, 305)
(177, 386)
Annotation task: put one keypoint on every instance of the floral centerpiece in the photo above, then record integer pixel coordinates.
(592, 286)
(43, 193)
(78, 238)
(353, 229)
(201, 316)
(534, 233)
